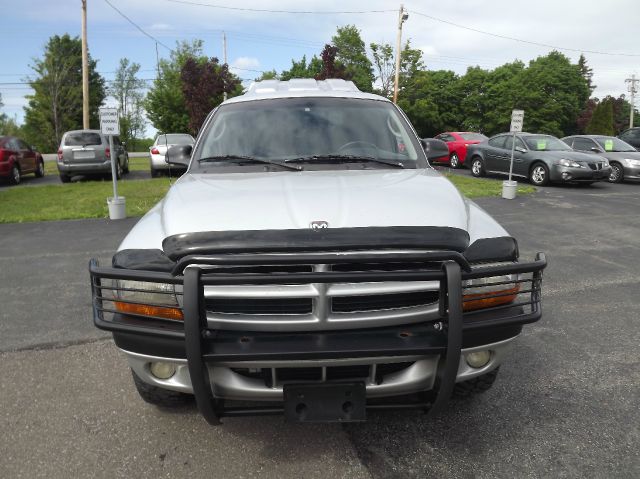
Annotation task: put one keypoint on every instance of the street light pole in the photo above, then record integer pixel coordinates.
(632, 89)
(85, 69)
(402, 17)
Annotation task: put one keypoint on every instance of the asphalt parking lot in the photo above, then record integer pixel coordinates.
(566, 403)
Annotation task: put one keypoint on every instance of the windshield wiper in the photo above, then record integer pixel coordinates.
(343, 159)
(248, 159)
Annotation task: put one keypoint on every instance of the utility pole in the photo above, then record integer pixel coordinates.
(224, 53)
(157, 61)
(402, 17)
(633, 89)
(85, 69)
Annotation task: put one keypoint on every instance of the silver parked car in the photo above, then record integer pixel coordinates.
(623, 158)
(312, 263)
(87, 152)
(543, 159)
(158, 151)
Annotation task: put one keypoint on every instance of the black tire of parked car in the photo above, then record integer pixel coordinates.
(539, 174)
(617, 173)
(454, 161)
(40, 169)
(154, 173)
(125, 169)
(15, 177)
(158, 396)
(475, 386)
(477, 167)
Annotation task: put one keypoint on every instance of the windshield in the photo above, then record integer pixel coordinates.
(611, 143)
(473, 136)
(318, 129)
(174, 139)
(545, 143)
(82, 138)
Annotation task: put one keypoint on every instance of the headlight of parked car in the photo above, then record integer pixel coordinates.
(491, 291)
(144, 298)
(631, 162)
(605, 162)
(569, 163)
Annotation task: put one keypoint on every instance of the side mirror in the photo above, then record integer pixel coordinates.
(435, 149)
(595, 149)
(179, 155)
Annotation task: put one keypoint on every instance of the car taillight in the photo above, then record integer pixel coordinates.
(59, 154)
(154, 151)
(107, 152)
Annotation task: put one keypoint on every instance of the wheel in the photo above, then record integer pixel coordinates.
(154, 173)
(454, 161)
(40, 169)
(617, 173)
(159, 396)
(539, 174)
(15, 177)
(118, 171)
(474, 386)
(126, 165)
(65, 178)
(477, 167)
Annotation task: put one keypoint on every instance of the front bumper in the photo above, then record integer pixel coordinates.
(631, 172)
(573, 175)
(216, 365)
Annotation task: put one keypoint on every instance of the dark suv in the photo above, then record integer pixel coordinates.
(87, 152)
(631, 136)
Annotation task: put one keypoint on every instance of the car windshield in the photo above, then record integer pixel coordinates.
(310, 131)
(545, 143)
(473, 136)
(174, 139)
(82, 138)
(611, 143)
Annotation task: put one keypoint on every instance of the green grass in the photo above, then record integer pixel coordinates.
(77, 200)
(88, 199)
(478, 187)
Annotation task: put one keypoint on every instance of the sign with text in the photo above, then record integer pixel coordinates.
(109, 121)
(517, 119)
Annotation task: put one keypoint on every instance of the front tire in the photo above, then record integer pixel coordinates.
(158, 396)
(539, 174)
(454, 161)
(125, 169)
(475, 386)
(477, 167)
(617, 173)
(16, 176)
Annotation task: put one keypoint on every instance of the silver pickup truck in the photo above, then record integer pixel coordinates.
(312, 263)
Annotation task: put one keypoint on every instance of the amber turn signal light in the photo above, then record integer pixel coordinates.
(146, 310)
(475, 301)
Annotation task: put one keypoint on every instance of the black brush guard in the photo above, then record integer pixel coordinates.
(205, 346)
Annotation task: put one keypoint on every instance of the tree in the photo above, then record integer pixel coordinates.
(330, 68)
(165, 104)
(602, 120)
(268, 75)
(587, 72)
(127, 89)
(303, 70)
(56, 104)
(8, 126)
(353, 55)
(203, 85)
(585, 116)
(384, 62)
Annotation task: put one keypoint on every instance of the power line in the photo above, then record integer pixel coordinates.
(505, 37)
(263, 10)
(137, 26)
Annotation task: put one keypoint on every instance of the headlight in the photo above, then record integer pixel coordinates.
(491, 291)
(631, 162)
(145, 298)
(569, 163)
(605, 162)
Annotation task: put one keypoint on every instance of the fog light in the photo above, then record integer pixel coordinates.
(478, 359)
(566, 176)
(162, 370)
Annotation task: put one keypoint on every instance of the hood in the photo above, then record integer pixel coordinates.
(570, 155)
(293, 200)
(621, 155)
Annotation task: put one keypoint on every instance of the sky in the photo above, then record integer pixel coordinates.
(258, 41)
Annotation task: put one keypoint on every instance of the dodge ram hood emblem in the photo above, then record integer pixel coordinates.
(316, 225)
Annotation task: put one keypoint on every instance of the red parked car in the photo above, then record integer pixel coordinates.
(457, 141)
(17, 159)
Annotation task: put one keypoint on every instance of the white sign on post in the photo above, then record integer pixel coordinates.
(109, 121)
(517, 119)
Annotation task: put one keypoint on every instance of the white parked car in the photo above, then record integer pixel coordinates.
(158, 151)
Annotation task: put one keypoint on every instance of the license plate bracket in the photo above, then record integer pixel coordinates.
(325, 402)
